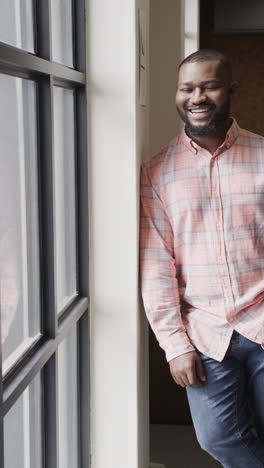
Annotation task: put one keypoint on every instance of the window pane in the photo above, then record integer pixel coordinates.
(22, 429)
(17, 23)
(65, 195)
(19, 240)
(68, 401)
(62, 32)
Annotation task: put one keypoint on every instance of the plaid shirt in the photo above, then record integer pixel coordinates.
(202, 243)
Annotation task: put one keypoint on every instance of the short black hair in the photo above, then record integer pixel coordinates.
(206, 55)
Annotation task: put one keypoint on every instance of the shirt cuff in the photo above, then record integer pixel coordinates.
(178, 344)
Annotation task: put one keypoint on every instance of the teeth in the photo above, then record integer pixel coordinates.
(199, 111)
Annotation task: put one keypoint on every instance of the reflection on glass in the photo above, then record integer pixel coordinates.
(19, 242)
(65, 195)
(68, 401)
(62, 32)
(17, 23)
(22, 430)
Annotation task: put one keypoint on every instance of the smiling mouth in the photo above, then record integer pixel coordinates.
(201, 110)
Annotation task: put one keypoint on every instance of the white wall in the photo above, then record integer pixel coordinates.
(118, 140)
(191, 26)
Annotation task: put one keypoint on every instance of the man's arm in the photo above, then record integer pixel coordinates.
(160, 286)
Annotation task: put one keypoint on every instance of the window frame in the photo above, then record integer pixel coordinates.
(42, 356)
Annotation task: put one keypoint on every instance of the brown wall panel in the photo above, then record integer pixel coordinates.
(247, 57)
(168, 402)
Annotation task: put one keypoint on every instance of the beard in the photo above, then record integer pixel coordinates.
(219, 119)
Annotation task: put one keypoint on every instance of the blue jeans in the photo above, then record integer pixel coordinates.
(228, 410)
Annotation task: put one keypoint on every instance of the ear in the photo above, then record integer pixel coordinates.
(233, 87)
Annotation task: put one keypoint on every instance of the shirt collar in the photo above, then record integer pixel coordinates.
(231, 136)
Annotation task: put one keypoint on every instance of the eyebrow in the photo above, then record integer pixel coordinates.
(201, 82)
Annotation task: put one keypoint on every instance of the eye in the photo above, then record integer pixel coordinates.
(186, 90)
(211, 87)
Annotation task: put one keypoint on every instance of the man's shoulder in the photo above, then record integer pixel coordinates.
(165, 153)
(250, 139)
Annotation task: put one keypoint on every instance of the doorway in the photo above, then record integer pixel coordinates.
(171, 425)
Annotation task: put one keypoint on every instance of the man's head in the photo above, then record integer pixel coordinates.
(203, 92)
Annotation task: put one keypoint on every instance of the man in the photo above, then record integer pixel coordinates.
(202, 262)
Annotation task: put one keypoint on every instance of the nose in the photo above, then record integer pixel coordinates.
(198, 96)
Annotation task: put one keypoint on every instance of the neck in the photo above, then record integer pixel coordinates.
(211, 143)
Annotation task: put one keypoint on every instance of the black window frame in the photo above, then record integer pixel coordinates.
(42, 356)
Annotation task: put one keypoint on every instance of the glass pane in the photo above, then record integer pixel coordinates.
(17, 23)
(62, 32)
(22, 429)
(65, 195)
(19, 240)
(68, 401)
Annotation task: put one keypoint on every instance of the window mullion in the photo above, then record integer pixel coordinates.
(84, 391)
(48, 256)
(51, 412)
(47, 222)
(82, 194)
(79, 35)
(43, 29)
(2, 442)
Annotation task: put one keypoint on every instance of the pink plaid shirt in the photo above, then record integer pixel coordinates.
(202, 243)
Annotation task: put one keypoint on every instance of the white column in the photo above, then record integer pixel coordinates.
(118, 137)
(191, 33)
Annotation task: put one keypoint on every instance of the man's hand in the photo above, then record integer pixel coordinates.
(187, 370)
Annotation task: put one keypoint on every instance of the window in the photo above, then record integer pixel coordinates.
(44, 389)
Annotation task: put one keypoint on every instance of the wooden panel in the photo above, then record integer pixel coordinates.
(246, 54)
(168, 401)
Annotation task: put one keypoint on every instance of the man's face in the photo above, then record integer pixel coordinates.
(203, 97)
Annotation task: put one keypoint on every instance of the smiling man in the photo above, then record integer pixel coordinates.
(202, 262)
